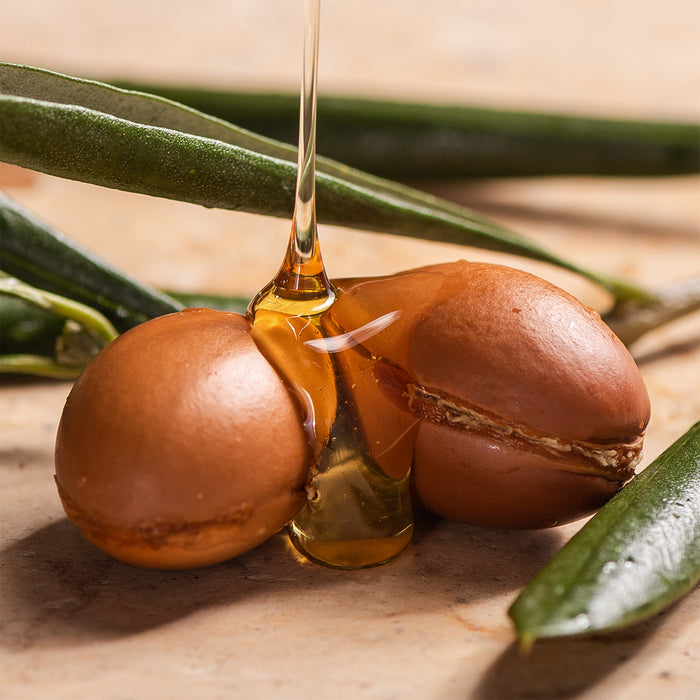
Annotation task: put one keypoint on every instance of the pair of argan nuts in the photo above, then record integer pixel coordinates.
(181, 446)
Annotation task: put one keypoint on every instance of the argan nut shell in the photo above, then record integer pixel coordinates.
(524, 349)
(532, 411)
(179, 445)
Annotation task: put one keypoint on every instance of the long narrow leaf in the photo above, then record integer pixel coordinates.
(639, 554)
(107, 136)
(402, 139)
(151, 110)
(40, 255)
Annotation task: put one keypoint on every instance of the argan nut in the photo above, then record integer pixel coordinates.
(179, 445)
(529, 412)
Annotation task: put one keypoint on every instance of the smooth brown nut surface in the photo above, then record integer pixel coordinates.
(474, 478)
(531, 410)
(179, 445)
(525, 349)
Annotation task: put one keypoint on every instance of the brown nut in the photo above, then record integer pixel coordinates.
(179, 445)
(530, 411)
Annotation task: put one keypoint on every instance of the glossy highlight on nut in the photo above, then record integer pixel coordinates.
(179, 445)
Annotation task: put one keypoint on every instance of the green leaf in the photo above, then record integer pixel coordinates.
(428, 141)
(141, 143)
(36, 338)
(84, 316)
(84, 332)
(43, 257)
(26, 328)
(637, 555)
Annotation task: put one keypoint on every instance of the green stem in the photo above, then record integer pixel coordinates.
(84, 332)
(630, 320)
(85, 316)
(37, 365)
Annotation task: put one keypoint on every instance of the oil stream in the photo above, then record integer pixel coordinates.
(358, 514)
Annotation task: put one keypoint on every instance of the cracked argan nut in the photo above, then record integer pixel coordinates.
(524, 409)
(179, 445)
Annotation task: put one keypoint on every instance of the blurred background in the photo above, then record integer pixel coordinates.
(627, 58)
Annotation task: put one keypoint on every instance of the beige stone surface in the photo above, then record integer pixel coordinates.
(432, 624)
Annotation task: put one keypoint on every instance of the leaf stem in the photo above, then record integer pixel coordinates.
(85, 332)
(631, 320)
(38, 365)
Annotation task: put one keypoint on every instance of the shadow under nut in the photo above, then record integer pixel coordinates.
(179, 445)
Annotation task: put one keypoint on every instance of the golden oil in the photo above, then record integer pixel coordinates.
(358, 513)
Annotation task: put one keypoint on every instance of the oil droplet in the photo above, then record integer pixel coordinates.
(609, 567)
(582, 622)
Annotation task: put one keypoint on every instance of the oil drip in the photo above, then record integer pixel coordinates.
(359, 509)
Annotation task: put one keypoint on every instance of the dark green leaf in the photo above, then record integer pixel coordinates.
(639, 554)
(26, 328)
(405, 140)
(43, 257)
